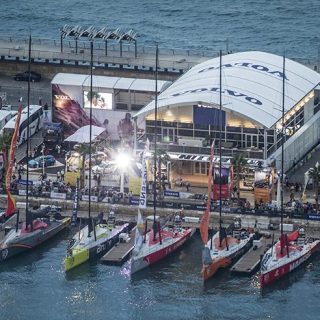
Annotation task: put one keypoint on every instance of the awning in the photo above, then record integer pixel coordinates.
(82, 135)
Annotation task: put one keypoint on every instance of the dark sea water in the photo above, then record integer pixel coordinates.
(34, 286)
(268, 25)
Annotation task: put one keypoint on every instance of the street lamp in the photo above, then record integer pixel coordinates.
(122, 162)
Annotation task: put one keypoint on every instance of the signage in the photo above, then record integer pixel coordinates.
(25, 182)
(170, 193)
(251, 65)
(86, 198)
(58, 195)
(314, 217)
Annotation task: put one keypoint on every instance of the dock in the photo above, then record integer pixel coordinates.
(120, 252)
(251, 260)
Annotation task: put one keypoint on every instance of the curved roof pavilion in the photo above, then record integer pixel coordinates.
(251, 87)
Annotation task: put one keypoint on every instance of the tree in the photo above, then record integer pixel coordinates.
(238, 162)
(314, 174)
(162, 158)
(5, 143)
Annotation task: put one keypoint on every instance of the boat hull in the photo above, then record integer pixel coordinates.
(149, 259)
(94, 251)
(29, 241)
(209, 270)
(271, 276)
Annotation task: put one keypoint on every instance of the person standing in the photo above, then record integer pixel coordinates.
(62, 175)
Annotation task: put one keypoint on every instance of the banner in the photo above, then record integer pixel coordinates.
(263, 183)
(134, 184)
(11, 202)
(71, 107)
(208, 115)
(86, 198)
(223, 181)
(58, 195)
(144, 178)
(75, 206)
(170, 193)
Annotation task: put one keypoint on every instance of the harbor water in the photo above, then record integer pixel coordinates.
(36, 284)
(209, 25)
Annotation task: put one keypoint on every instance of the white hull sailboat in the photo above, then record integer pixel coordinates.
(156, 244)
(291, 250)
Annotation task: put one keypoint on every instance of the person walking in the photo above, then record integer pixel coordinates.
(58, 176)
(62, 175)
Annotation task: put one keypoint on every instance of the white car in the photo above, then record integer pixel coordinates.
(104, 167)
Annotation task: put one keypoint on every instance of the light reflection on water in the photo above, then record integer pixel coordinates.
(170, 289)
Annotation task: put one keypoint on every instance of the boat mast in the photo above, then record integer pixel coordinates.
(282, 147)
(28, 136)
(220, 133)
(90, 138)
(155, 149)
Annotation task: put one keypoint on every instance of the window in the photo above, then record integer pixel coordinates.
(201, 168)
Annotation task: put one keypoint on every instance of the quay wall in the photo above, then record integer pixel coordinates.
(127, 212)
(48, 71)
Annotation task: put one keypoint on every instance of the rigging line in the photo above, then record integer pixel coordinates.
(282, 146)
(220, 133)
(28, 136)
(155, 148)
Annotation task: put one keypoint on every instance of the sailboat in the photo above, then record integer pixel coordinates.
(160, 241)
(221, 249)
(293, 249)
(40, 225)
(94, 240)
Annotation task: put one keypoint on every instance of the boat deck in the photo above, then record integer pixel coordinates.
(120, 252)
(251, 260)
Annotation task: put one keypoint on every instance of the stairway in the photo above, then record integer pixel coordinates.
(297, 174)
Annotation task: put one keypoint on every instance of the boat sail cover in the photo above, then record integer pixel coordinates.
(142, 201)
(11, 204)
(204, 223)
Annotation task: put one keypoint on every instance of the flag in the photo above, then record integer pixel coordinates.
(204, 223)
(11, 204)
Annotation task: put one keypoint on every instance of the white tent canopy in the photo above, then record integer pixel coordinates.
(251, 86)
(104, 82)
(82, 135)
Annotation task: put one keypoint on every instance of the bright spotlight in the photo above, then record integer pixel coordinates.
(122, 160)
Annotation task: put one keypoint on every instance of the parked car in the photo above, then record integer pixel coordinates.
(38, 162)
(24, 76)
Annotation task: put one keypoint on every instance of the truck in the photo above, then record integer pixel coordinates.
(52, 134)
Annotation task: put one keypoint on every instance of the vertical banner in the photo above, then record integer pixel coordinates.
(144, 178)
(11, 202)
(142, 201)
(224, 182)
(75, 205)
(263, 182)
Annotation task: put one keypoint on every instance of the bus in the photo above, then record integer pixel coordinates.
(36, 123)
(5, 116)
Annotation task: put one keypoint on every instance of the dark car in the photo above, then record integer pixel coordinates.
(24, 76)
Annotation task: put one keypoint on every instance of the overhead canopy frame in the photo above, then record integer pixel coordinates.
(92, 33)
